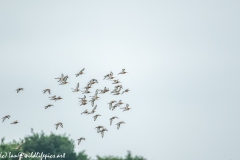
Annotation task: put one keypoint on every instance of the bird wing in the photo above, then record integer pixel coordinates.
(113, 107)
(56, 126)
(102, 133)
(92, 102)
(96, 92)
(95, 108)
(19, 146)
(61, 78)
(52, 97)
(111, 121)
(84, 112)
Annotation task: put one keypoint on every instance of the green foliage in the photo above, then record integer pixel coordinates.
(109, 158)
(82, 156)
(128, 157)
(8, 150)
(52, 144)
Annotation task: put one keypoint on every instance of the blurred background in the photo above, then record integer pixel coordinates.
(182, 59)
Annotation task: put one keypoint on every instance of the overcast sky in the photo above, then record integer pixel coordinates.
(183, 62)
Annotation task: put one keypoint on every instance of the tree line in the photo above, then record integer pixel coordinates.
(37, 144)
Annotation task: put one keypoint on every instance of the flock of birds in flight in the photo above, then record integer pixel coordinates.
(112, 104)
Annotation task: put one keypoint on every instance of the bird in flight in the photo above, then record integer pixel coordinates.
(95, 117)
(95, 97)
(111, 119)
(5, 117)
(93, 111)
(119, 123)
(115, 105)
(92, 101)
(86, 91)
(110, 104)
(19, 146)
(88, 86)
(83, 100)
(107, 76)
(92, 81)
(102, 131)
(126, 90)
(111, 76)
(63, 80)
(58, 124)
(117, 90)
(126, 108)
(15, 122)
(114, 91)
(80, 73)
(60, 78)
(123, 72)
(98, 128)
(76, 89)
(85, 112)
(120, 102)
(46, 107)
(57, 98)
(116, 81)
(80, 139)
(47, 90)
(104, 90)
(117, 93)
(19, 89)
(119, 87)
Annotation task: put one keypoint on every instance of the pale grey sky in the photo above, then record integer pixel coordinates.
(182, 57)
